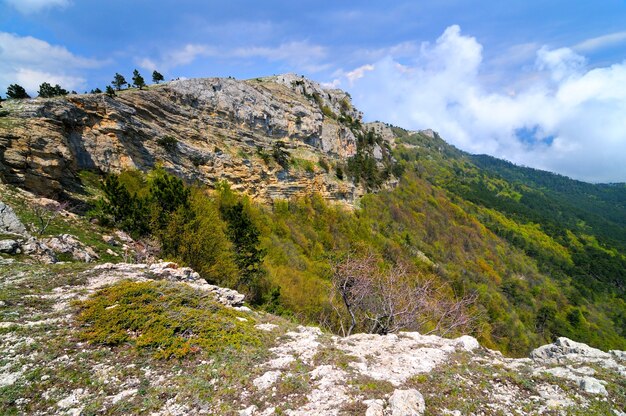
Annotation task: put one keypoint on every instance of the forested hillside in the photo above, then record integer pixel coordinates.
(465, 230)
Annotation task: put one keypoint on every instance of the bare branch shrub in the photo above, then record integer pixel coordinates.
(45, 214)
(386, 301)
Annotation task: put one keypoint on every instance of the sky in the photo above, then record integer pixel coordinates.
(538, 83)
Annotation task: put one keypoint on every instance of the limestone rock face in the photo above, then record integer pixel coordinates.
(202, 130)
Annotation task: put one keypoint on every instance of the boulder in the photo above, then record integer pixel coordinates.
(9, 223)
(407, 403)
(564, 349)
(9, 246)
(39, 251)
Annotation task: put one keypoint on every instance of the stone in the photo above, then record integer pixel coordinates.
(374, 407)
(565, 349)
(9, 246)
(593, 386)
(248, 411)
(266, 380)
(9, 223)
(407, 403)
(69, 244)
(39, 251)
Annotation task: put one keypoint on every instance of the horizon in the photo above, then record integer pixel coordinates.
(539, 85)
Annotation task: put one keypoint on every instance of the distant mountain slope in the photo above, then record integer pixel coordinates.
(602, 207)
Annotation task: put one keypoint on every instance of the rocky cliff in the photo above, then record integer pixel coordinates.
(203, 130)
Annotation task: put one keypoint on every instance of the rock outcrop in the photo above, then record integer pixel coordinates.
(202, 130)
(9, 223)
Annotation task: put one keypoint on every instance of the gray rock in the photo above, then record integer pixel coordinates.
(592, 386)
(565, 349)
(407, 403)
(69, 244)
(9, 223)
(9, 246)
(39, 251)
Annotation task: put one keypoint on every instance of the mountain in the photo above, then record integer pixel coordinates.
(202, 130)
(276, 188)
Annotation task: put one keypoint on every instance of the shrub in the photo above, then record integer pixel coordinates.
(168, 319)
(168, 142)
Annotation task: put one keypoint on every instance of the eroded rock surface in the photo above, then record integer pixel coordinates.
(203, 130)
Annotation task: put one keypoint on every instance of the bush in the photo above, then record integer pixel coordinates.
(168, 142)
(167, 319)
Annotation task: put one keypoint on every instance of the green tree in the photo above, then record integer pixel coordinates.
(167, 193)
(46, 90)
(118, 81)
(138, 80)
(197, 237)
(157, 77)
(16, 91)
(110, 91)
(245, 237)
(96, 91)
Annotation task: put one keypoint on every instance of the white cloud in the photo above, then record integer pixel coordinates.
(600, 42)
(576, 114)
(300, 55)
(29, 62)
(177, 57)
(34, 6)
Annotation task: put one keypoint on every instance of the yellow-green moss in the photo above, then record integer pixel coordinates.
(169, 319)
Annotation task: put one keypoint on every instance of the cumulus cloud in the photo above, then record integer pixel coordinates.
(29, 61)
(568, 118)
(34, 6)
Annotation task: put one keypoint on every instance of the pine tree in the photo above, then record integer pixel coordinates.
(46, 90)
(119, 81)
(110, 91)
(138, 80)
(16, 91)
(156, 77)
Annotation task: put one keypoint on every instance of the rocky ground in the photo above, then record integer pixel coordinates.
(47, 368)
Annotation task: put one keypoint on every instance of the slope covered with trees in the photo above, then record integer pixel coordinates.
(530, 278)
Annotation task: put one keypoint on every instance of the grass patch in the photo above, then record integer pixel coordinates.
(167, 319)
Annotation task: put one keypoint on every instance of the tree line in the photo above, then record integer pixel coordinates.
(47, 90)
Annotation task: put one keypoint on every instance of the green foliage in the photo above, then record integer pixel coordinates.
(328, 112)
(46, 90)
(165, 319)
(15, 91)
(197, 237)
(280, 155)
(157, 77)
(169, 143)
(167, 194)
(120, 208)
(96, 91)
(109, 91)
(118, 81)
(138, 80)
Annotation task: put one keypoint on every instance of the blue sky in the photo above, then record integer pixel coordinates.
(478, 72)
